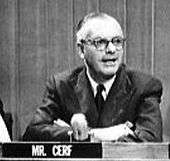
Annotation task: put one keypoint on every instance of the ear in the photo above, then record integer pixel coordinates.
(82, 55)
(81, 51)
(81, 47)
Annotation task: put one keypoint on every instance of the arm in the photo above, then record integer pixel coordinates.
(148, 122)
(43, 126)
(112, 133)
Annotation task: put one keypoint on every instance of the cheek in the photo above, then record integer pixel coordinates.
(120, 55)
(92, 55)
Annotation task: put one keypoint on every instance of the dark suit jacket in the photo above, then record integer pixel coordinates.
(133, 97)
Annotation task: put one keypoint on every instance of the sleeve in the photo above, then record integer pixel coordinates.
(148, 124)
(43, 126)
(4, 136)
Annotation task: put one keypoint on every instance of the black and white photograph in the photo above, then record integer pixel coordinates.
(84, 79)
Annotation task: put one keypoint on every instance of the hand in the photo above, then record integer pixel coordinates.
(112, 133)
(79, 126)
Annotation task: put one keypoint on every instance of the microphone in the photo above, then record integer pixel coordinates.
(79, 126)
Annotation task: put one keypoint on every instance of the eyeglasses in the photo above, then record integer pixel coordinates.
(101, 44)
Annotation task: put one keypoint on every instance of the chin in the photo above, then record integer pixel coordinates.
(108, 74)
(110, 71)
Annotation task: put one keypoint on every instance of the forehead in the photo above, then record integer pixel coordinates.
(103, 27)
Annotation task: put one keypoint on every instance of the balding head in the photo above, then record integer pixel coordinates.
(100, 24)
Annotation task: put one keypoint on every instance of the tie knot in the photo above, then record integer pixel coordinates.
(100, 88)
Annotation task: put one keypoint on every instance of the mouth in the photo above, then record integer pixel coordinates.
(109, 62)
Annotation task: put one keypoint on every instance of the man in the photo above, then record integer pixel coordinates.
(102, 98)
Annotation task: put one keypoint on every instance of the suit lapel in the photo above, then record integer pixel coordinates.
(115, 105)
(118, 99)
(85, 97)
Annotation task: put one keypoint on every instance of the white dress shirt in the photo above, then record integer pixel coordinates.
(107, 84)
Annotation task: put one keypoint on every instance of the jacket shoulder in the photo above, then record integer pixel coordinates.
(66, 76)
(143, 81)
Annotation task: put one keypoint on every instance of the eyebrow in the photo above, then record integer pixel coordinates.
(107, 39)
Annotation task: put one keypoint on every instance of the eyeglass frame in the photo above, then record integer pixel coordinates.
(105, 44)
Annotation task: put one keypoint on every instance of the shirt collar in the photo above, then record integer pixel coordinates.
(108, 84)
(94, 84)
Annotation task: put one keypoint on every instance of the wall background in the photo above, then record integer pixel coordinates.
(37, 39)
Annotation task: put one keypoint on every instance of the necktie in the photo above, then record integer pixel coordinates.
(99, 100)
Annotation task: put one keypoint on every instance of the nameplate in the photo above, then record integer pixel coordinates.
(52, 150)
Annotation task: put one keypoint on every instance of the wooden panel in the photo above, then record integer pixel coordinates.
(8, 57)
(162, 57)
(81, 8)
(44, 35)
(139, 34)
(32, 59)
(59, 35)
(7, 32)
(114, 8)
(133, 150)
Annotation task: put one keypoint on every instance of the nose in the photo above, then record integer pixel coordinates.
(111, 49)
